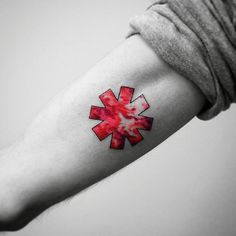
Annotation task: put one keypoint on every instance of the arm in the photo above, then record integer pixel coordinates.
(60, 155)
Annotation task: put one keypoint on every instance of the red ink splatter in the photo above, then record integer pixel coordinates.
(121, 117)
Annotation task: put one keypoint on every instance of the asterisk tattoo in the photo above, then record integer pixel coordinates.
(121, 117)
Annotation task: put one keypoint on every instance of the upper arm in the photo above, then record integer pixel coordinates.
(61, 154)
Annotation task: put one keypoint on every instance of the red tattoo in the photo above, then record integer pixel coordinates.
(121, 117)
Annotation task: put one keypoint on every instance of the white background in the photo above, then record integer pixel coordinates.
(184, 187)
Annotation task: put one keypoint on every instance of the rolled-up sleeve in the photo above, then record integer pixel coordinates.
(198, 39)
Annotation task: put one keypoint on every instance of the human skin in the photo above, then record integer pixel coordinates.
(60, 155)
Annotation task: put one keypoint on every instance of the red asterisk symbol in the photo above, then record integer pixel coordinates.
(121, 117)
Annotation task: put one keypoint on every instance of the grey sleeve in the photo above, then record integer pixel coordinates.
(198, 39)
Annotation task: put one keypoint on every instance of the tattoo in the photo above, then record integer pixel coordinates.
(121, 117)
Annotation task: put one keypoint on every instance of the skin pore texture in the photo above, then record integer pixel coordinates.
(61, 153)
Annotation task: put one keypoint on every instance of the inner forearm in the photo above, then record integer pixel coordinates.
(60, 154)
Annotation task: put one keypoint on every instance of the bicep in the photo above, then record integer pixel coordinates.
(151, 87)
(68, 139)
(134, 100)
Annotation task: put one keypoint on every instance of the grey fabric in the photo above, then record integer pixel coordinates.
(198, 39)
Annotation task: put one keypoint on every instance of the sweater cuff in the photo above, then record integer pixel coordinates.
(197, 38)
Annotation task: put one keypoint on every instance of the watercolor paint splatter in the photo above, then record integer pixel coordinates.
(121, 117)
